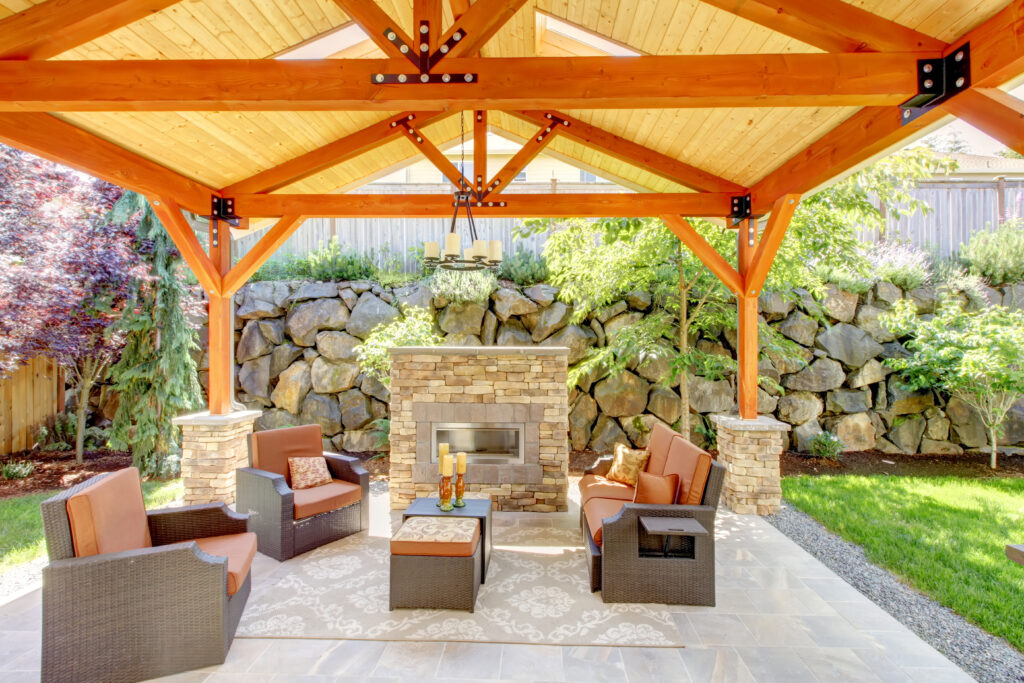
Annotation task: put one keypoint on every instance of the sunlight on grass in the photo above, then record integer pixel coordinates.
(21, 526)
(945, 536)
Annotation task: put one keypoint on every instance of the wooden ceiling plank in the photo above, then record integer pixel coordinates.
(862, 79)
(50, 28)
(376, 23)
(630, 152)
(831, 25)
(994, 112)
(715, 262)
(329, 155)
(479, 24)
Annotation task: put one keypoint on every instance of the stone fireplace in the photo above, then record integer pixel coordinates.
(507, 407)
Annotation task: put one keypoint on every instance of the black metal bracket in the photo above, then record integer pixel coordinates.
(937, 81)
(422, 78)
(423, 60)
(393, 38)
(741, 207)
(223, 209)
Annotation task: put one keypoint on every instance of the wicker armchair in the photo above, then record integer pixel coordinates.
(290, 522)
(140, 612)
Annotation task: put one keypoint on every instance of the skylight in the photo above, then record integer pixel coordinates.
(577, 34)
(325, 45)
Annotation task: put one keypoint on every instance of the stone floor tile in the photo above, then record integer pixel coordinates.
(867, 616)
(721, 629)
(776, 664)
(773, 630)
(837, 664)
(593, 665)
(906, 650)
(737, 557)
(409, 660)
(882, 666)
(20, 677)
(938, 675)
(242, 654)
(715, 665)
(470, 660)
(727, 576)
(834, 590)
(184, 677)
(528, 661)
(654, 665)
(685, 627)
(248, 677)
(835, 631)
(774, 577)
(350, 658)
(291, 656)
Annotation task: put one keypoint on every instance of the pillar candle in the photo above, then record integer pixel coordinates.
(460, 464)
(446, 466)
(442, 450)
(494, 250)
(480, 248)
(431, 250)
(452, 244)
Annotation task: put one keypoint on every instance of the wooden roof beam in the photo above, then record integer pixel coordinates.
(564, 205)
(530, 149)
(50, 28)
(435, 155)
(831, 25)
(377, 24)
(672, 81)
(181, 233)
(49, 137)
(700, 247)
(993, 111)
(331, 154)
(632, 153)
(261, 251)
(430, 12)
(479, 23)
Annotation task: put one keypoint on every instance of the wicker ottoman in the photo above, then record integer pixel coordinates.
(435, 563)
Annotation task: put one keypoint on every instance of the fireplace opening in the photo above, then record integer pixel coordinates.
(498, 443)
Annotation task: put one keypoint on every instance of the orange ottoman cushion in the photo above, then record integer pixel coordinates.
(437, 536)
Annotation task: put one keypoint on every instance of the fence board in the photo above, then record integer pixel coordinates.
(28, 398)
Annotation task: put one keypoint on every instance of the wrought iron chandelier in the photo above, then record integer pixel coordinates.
(480, 254)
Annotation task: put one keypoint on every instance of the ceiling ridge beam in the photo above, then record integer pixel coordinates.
(831, 25)
(479, 23)
(378, 25)
(331, 154)
(636, 154)
(50, 28)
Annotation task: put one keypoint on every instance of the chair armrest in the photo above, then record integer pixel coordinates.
(174, 525)
(623, 528)
(348, 468)
(262, 492)
(600, 466)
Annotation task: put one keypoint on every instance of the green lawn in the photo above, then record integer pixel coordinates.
(945, 536)
(21, 527)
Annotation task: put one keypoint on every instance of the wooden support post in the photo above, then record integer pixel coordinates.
(221, 385)
(479, 150)
(746, 305)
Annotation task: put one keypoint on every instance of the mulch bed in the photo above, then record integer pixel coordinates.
(58, 470)
(972, 466)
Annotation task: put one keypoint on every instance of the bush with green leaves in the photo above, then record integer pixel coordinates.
(380, 430)
(334, 262)
(524, 268)
(826, 445)
(976, 356)
(416, 328)
(997, 255)
(902, 264)
(16, 469)
(62, 435)
(460, 287)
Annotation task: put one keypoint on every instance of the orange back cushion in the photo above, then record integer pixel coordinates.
(658, 445)
(695, 494)
(271, 449)
(109, 516)
(683, 459)
(656, 489)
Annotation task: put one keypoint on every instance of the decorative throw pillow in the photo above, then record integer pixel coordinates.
(308, 472)
(656, 489)
(627, 464)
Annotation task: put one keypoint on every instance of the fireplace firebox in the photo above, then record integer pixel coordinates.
(494, 443)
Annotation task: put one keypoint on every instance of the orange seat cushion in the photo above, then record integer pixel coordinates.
(271, 449)
(656, 489)
(658, 445)
(683, 458)
(333, 496)
(109, 515)
(437, 537)
(596, 511)
(596, 486)
(238, 548)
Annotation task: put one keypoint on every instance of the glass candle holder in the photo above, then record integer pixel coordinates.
(445, 491)
(460, 490)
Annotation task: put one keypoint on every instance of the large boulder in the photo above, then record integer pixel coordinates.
(794, 361)
(416, 295)
(610, 311)
(773, 306)
(620, 322)
(607, 433)
(639, 300)
(551, 319)
(464, 318)
(355, 409)
(965, 421)
(292, 387)
(707, 396)
(902, 400)
(638, 428)
(512, 333)
(581, 421)
(870, 373)
(306, 319)
(282, 356)
(655, 367)
(273, 330)
(334, 345)
(664, 403)
(1013, 296)
(489, 329)
(322, 410)
(509, 302)
(856, 431)
(542, 294)
(349, 297)
(371, 386)
(254, 377)
(868, 320)
(799, 327)
(369, 312)
(938, 425)
(823, 374)
(848, 401)
(462, 339)
(936, 447)
(621, 395)
(314, 290)
(263, 300)
(275, 418)
(798, 407)
(363, 441)
(330, 377)
(252, 344)
(851, 345)
(887, 294)
(576, 338)
(839, 305)
(804, 433)
(925, 298)
(766, 403)
(907, 431)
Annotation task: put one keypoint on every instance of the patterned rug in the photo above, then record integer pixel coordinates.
(537, 591)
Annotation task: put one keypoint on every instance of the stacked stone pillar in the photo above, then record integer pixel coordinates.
(212, 448)
(750, 451)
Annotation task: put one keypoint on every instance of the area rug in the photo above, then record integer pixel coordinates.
(537, 591)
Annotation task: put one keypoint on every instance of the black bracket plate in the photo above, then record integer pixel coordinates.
(422, 78)
(223, 209)
(424, 62)
(741, 207)
(937, 81)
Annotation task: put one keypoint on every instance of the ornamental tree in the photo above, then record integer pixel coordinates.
(66, 272)
(977, 357)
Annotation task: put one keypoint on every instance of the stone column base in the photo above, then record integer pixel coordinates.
(212, 448)
(750, 451)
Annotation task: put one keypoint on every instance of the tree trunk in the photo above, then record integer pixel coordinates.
(83, 404)
(684, 348)
(993, 440)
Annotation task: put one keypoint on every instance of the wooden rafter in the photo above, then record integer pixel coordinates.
(376, 23)
(331, 154)
(993, 111)
(504, 83)
(170, 215)
(715, 262)
(768, 244)
(831, 25)
(51, 138)
(479, 24)
(459, 7)
(525, 155)
(261, 251)
(429, 11)
(479, 150)
(632, 153)
(50, 28)
(520, 205)
(435, 155)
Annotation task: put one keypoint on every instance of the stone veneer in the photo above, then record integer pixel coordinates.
(212, 448)
(750, 451)
(482, 384)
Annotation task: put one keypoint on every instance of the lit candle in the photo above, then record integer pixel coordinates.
(480, 248)
(431, 250)
(468, 254)
(452, 245)
(442, 450)
(446, 466)
(495, 250)
(461, 463)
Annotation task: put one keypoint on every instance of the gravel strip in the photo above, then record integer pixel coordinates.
(982, 655)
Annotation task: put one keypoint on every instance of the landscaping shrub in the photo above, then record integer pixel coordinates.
(463, 287)
(843, 278)
(904, 265)
(524, 268)
(16, 469)
(826, 445)
(415, 329)
(997, 255)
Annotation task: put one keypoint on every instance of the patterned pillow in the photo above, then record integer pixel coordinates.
(656, 489)
(627, 465)
(308, 472)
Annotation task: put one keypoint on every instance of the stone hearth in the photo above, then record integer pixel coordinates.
(496, 384)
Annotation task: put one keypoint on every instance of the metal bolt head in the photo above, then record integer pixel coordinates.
(401, 78)
(469, 78)
(379, 78)
(906, 113)
(959, 56)
(424, 78)
(446, 78)
(424, 28)
(960, 82)
(392, 35)
(457, 36)
(490, 203)
(929, 83)
(424, 47)
(927, 68)
(404, 49)
(540, 138)
(444, 49)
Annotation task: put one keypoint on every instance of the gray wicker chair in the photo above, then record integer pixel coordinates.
(630, 566)
(138, 614)
(263, 491)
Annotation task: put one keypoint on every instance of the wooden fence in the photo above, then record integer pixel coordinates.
(31, 396)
